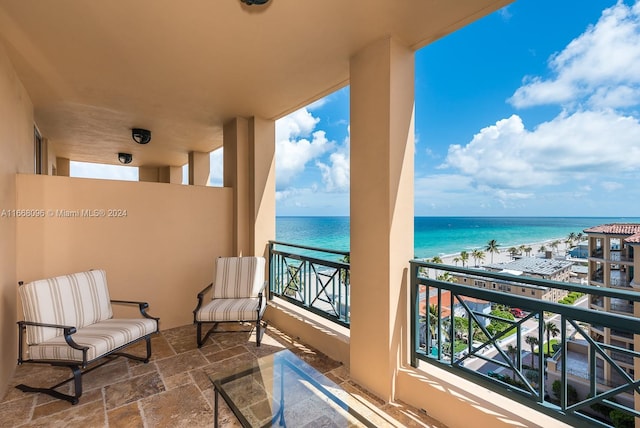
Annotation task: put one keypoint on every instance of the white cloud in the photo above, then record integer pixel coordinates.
(599, 69)
(293, 149)
(611, 186)
(336, 174)
(570, 147)
(300, 123)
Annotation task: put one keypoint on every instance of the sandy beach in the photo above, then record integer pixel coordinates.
(504, 256)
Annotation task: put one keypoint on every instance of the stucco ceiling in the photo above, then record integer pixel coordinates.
(96, 69)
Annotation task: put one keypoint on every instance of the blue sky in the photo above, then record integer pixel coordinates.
(533, 110)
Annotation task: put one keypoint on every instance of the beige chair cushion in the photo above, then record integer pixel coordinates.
(76, 300)
(101, 338)
(238, 277)
(231, 310)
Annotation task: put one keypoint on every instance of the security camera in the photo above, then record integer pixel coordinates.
(125, 158)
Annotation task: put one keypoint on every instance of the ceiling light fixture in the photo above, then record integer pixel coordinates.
(125, 158)
(252, 2)
(141, 136)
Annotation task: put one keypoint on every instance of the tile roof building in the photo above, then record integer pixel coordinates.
(612, 264)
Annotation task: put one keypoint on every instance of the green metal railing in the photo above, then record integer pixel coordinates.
(313, 278)
(471, 332)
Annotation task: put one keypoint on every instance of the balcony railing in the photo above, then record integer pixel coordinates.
(471, 332)
(623, 334)
(617, 256)
(313, 278)
(619, 282)
(621, 306)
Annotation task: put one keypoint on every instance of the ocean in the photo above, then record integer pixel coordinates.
(435, 236)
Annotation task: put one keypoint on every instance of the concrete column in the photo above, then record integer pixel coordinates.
(148, 174)
(199, 168)
(262, 136)
(63, 167)
(249, 168)
(382, 153)
(170, 174)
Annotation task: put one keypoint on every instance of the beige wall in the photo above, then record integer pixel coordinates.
(161, 251)
(456, 402)
(16, 141)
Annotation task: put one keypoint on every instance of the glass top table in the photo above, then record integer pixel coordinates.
(283, 390)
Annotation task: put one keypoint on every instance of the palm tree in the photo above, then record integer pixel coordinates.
(552, 330)
(492, 247)
(513, 251)
(568, 245)
(464, 257)
(542, 249)
(433, 321)
(533, 342)
(345, 272)
(572, 237)
(555, 245)
(580, 237)
(456, 260)
(438, 260)
(522, 248)
(446, 277)
(477, 255)
(528, 250)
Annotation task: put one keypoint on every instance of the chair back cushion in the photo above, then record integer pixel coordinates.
(76, 300)
(238, 277)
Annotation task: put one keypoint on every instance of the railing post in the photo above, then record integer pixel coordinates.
(414, 311)
(271, 270)
(563, 375)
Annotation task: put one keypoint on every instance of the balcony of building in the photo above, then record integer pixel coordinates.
(596, 302)
(178, 74)
(621, 306)
(597, 253)
(175, 388)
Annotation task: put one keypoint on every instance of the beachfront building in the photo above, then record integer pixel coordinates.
(556, 270)
(580, 251)
(612, 264)
(520, 289)
(543, 268)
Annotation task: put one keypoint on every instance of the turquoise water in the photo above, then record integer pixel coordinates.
(444, 235)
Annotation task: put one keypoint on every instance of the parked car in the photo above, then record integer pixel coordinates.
(517, 312)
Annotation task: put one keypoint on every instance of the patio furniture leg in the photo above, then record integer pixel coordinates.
(77, 387)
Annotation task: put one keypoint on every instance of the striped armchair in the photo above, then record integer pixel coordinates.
(238, 294)
(69, 322)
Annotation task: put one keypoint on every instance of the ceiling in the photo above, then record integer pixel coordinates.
(96, 69)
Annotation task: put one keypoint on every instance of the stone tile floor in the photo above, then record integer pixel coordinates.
(173, 389)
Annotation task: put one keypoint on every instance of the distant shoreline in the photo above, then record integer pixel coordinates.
(446, 236)
(504, 256)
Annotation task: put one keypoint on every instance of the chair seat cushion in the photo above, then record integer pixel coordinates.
(101, 338)
(231, 310)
